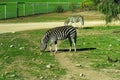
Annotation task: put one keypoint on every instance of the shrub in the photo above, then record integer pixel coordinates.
(87, 5)
(59, 9)
(110, 9)
(73, 7)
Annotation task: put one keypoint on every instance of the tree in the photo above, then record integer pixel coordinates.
(111, 9)
(117, 1)
(96, 2)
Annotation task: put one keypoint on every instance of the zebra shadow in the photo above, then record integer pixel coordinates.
(88, 27)
(77, 50)
(84, 28)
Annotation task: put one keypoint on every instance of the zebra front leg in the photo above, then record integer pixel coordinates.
(70, 41)
(74, 43)
(50, 47)
(51, 44)
(55, 47)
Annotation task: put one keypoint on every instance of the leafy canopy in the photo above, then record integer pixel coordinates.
(111, 8)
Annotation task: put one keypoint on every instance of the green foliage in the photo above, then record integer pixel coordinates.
(110, 9)
(73, 6)
(40, 0)
(87, 5)
(96, 2)
(59, 9)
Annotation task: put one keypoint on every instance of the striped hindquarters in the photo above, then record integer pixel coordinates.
(62, 32)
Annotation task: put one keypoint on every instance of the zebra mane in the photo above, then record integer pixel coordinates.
(45, 37)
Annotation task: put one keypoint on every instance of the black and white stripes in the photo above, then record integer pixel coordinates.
(74, 19)
(59, 33)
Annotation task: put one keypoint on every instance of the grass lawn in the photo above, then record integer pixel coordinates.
(95, 45)
(88, 15)
(20, 58)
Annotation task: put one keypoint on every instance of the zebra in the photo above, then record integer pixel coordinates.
(59, 33)
(74, 19)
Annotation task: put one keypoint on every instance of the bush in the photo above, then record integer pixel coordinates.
(87, 5)
(59, 9)
(110, 9)
(73, 7)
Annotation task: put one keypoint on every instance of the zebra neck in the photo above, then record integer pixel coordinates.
(46, 39)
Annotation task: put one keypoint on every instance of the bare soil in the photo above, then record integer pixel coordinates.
(77, 73)
(13, 27)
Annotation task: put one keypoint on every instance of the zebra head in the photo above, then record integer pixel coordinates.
(43, 44)
(66, 22)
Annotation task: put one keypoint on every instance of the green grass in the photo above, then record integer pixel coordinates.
(93, 15)
(95, 45)
(42, 0)
(21, 59)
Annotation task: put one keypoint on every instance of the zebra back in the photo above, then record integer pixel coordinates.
(62, 32)
(74, 19)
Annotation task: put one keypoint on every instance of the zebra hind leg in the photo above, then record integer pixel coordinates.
(74, 43)
(55, 47)
(70, 41)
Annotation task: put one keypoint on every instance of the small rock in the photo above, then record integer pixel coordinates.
(81, 74)
(116, 71)
(13, 32)
(33, 59)
(113, 65)
(49, 66)
(1, 44)
(2, 75)
(13, 39)
(6, 72)
(84, 43)
(41, 77)
(41, 53)
(12, 75)
(37, 47)
(11, 46)
(86, 56)
(6, 57)
(21, 48)
(110, 45)
(118, 39)
(78, 65)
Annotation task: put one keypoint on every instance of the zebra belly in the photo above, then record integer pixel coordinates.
(62, 38)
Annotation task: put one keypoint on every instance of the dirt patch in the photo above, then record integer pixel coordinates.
(13, 27)
(77, 73)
